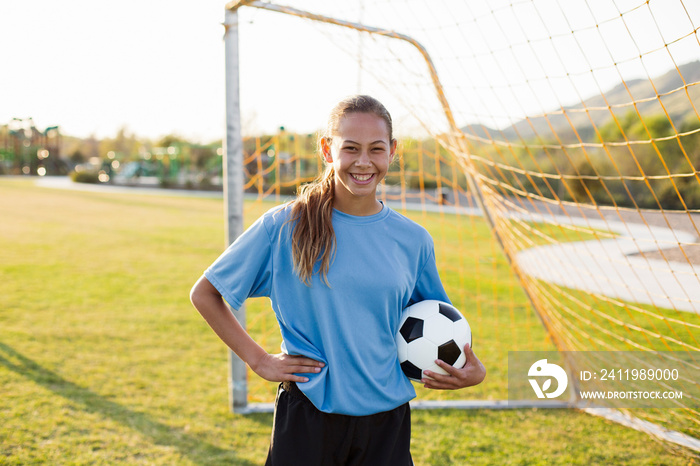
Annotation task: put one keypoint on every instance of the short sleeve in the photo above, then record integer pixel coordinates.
(244, 270)
(428, 283)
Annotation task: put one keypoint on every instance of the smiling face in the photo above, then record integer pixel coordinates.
(360, 152)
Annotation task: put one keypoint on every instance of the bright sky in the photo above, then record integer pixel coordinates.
(157, 66)
(92, 66)
(153, 66)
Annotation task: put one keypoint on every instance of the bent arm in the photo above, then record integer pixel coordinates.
(276, 368)
(208, 301)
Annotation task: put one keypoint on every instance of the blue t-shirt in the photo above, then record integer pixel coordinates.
(383, 263)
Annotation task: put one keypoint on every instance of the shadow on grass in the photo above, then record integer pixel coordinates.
(196, 450)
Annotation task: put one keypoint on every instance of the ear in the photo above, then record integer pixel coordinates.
(326, 149)
(392, 152)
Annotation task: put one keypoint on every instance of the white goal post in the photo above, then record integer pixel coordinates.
(233, 187)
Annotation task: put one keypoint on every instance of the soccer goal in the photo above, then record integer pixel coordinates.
(551, 148)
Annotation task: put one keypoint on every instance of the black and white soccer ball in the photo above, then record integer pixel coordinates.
(431, 330)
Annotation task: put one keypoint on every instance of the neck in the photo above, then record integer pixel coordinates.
(359, 207)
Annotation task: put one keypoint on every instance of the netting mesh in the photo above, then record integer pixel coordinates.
(578, 123)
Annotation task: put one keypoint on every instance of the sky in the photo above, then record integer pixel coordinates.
(153, 67)
(156, 67)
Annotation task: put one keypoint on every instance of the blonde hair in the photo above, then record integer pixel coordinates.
(313, 238)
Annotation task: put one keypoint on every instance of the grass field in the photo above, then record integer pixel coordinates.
(103, 360)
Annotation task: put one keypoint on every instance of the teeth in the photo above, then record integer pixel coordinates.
(362, 177)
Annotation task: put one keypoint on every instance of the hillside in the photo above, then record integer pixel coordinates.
(621, 98)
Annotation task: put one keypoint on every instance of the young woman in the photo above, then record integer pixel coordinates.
(339, 267)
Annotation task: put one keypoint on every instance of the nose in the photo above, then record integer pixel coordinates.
(363, 160)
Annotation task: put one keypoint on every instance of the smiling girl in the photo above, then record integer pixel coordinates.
(339, 267)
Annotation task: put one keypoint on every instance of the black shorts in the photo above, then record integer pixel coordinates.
(303, 435)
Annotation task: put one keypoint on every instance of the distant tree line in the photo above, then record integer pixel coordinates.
(633, 161)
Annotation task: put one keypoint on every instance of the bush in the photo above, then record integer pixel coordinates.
(85, 177)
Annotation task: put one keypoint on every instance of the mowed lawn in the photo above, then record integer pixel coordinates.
(103, 360)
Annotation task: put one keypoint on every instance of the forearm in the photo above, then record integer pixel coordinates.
(275, 368)
(208, 302)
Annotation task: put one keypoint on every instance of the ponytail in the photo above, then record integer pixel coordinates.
(313, 238)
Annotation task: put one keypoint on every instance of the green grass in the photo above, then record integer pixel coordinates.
(613, 324)
(104, 361)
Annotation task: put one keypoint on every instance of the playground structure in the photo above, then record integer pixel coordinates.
(26, 150)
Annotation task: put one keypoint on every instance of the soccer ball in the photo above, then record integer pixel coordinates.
(431, 330)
